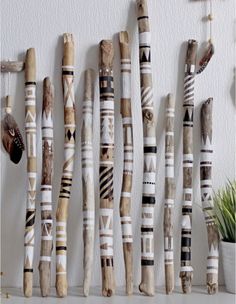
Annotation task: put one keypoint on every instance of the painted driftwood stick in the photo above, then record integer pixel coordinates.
(125, 200)
(169, 194)
(88, 178)
(69, 151)
(206, 195)
(106, 165)
(186, 270)
(46, 188)
(147, 284)
(30, 129)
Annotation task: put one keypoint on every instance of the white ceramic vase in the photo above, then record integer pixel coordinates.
(228, 251)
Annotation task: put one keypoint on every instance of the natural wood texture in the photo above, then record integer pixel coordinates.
(169, 195)
(12, 66)
(186, 270)
(207, 196)
(11, 137)
(125, 200)
(106, 165)
(46, 188)
(30, 129)
(147, 284)
(88, 178)
(69, 150)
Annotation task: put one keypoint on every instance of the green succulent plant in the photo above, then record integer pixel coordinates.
(225, 211)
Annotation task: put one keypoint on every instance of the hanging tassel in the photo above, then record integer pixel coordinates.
(11, 136)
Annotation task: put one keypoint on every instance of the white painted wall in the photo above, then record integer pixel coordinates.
(40, 24)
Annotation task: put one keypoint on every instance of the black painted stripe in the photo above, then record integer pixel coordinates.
(186, 242)
(186, 210)
(30, 83)
(150, 149)
(185, 256)
(61, 248)
(106, 78)
(28, 270)
(143, 17)
(145, 229)
(67, 72)
(147, 262)
(107, 262)
(148, 200)
(32, 220)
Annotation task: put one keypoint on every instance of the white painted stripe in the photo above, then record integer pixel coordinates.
(169, 171)
(147, 255)
(46, 207)
(212, 271)
(147, 221)
(125, 66)
(169, 133)
(47, 238)
(188, 157)
(61, 224)
(125, 218)
(126, 229)
(127, 240)
(186, 268)
(46, 196)
(107, 104)
(187, 203)
(125, 194)
(169, 201)
(187, 165)
(169, 255)
(89, 214)
(149, 141)
(149, 210)
(144, 38)
(188, 191)
(127, 120)
(45, 258)
(106, 212)
(30, 102)
(68, 67)
(207, 182)
(212, 263)
(61, 239)
(192, 68)
(125, 85)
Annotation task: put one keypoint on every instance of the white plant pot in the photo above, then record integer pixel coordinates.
(228, 251)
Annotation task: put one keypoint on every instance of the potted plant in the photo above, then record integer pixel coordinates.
(225, 211)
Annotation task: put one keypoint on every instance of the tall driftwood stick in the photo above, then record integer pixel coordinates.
(69, 151)
(169, 194)
(30, 129)
(125, 200)
(206, 195)
(186, 270)
(147, 284)
(88, 179)
(46, 188)
(106, 165)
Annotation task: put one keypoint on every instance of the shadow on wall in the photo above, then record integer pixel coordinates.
(233, 88)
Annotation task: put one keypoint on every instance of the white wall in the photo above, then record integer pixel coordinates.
(40, 24)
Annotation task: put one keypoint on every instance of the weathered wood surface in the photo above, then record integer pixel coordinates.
(46, 188)
(207, 196)
(147, 284)
(169, 195)
(125, 200)
(88, 178)
(67, 175)
(106, 165)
